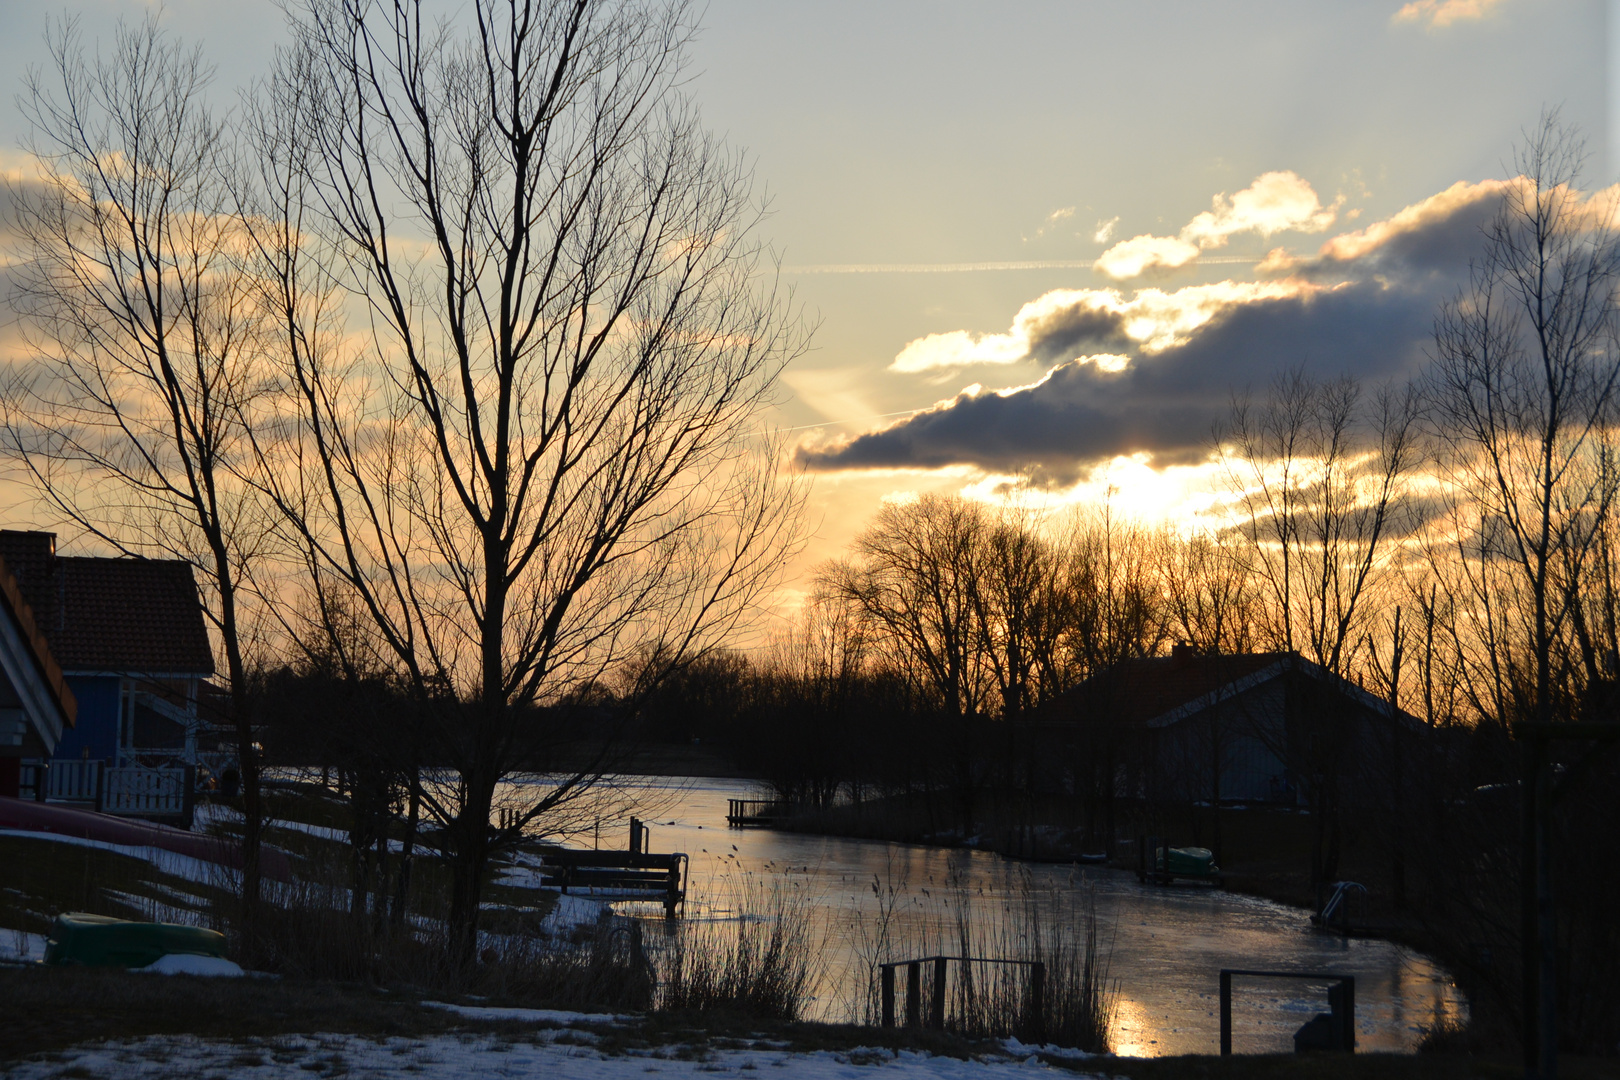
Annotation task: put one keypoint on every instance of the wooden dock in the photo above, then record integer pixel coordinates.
(618, 875)
(634, 874)
(761, 813)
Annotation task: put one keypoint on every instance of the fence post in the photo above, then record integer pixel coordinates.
(1226, 1014)
(888, 995)
(1037, 1000)
(938, 1018)
(914, 994)
(1348, 986)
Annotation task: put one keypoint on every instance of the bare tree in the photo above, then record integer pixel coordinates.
(1112, 584)
(1210, 593)
(1319, 472)
(146, 346)
(1523, 389)
(915, 580)
(539, 455)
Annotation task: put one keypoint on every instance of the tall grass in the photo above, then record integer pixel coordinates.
(762, 964)
(1056, 927)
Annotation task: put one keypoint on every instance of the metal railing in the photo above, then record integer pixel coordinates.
(1338, 1025)
(936, 1012)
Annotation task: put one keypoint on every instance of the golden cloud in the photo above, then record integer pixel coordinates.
(1064, 324)
(1442, 13)
(1280, 201)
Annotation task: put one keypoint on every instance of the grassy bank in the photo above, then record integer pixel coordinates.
(50, 1011)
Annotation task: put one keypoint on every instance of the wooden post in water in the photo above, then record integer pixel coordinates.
(888, 995)
(937, 1017)
(914, 994)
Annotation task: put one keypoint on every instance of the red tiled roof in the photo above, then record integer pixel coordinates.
(116, 615)
(1136, 691)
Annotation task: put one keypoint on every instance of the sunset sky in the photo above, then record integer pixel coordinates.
(1050, 239)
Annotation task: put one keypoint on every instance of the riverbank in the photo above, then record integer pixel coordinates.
(93, 1024)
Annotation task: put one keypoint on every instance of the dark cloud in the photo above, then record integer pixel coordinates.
(1163, 404)
(1436, 237)
(1372, 322)
(1060, 334)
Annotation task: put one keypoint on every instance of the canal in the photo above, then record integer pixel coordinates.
(1164, 945)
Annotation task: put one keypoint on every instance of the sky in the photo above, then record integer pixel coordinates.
(1044, 243)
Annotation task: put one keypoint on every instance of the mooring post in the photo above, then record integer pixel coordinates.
(914, 994)
(888, 995)
(1226, 1014)
(1037, 999)
(937, 1018)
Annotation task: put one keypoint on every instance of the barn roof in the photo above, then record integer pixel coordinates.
(115, 615)
(1160, 690)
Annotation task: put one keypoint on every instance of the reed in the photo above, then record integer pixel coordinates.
(763, 963)
(1058, 928)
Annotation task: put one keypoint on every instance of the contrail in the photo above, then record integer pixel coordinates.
(853, 420)
(978, 267)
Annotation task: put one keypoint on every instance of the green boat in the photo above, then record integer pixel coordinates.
(1188, 862)
(101, 941)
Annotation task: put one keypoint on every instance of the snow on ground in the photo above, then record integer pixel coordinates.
(571, 911)
(187, 964)
(534, 1016)
(21, 945)
(559, 1052)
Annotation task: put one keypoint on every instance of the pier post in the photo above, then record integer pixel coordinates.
(914, 994)
(888, 995)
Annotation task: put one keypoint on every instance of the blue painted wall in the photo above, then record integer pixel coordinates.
(97, 726)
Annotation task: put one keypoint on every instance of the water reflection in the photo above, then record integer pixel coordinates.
(1167, 943)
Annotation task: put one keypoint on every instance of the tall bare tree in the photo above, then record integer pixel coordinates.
(1319, 472)
(536, 453)
(145, 342)
(1523, 391)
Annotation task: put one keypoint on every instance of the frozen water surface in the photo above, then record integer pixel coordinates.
(1168, 944)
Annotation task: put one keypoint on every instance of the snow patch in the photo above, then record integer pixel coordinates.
(570, 912)
(21, 945)
(189, 964)
(461, 1056)
(533, 1016)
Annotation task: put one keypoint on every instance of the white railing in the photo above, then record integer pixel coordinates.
(135, 790)
(73, 781)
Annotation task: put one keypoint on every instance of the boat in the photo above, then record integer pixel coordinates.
(78, 938)
(1187, 862)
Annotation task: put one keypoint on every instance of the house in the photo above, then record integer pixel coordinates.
(1249, 728)
(36, 705)
(132, 644)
